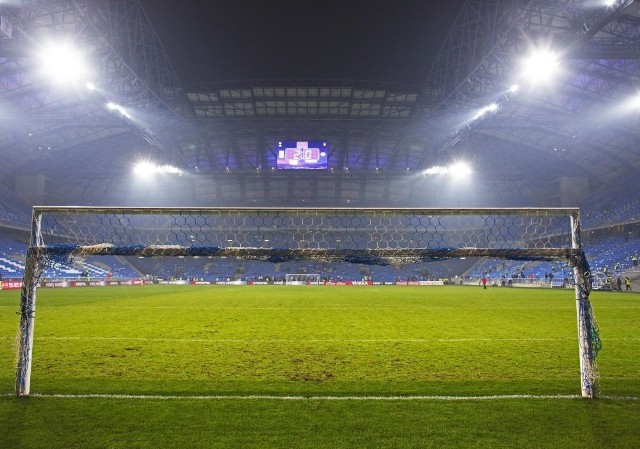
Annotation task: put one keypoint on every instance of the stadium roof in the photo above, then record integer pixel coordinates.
(544, 145)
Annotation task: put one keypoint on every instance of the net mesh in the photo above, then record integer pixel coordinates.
(373, 236)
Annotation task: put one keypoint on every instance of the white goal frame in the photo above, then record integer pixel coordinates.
(302, 279)
(364, 236)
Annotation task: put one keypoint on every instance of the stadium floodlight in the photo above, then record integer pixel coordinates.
(635, 102)
(493, 107)
(169, 169)
(63, 63)
(436, 170)
(147, 168)
(541, 66)
(116, 107)
(144, 169)
(457, 169)
(460, 169)
(514, 88)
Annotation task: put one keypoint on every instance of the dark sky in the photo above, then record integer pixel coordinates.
(373, 40)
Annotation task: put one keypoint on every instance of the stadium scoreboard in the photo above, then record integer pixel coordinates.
(296, 154)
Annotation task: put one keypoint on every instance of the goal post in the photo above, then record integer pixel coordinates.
(371, 236)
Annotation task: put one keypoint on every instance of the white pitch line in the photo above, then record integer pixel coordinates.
(442, 398)
(300, 398)
(292, 340)
(314, 340)
(285, 308)
(258, 397)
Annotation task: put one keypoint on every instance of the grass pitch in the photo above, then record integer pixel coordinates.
(254, 343)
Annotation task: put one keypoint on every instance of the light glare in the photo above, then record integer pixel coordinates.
(116, 107)
(460, 169)
(144, 168)
(170, 169)
(457, 169)
(63, 63)
(541, 66)
(436, 170)
(147, 168)
(493, 107)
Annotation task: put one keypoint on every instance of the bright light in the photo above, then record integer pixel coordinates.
(460, 169)
(63, 63)
(541, 66)
(116, 107)
(493, 107)
(147, 168)
(436, 170)
(457, 169)
(144, 168)
(609, 2)
(90, 86)
(635, 102)
(514, 88)
(170, 169)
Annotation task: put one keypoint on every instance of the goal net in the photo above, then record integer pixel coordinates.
(302, 279)
(362, 236)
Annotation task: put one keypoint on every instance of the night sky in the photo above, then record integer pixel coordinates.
(374, 40)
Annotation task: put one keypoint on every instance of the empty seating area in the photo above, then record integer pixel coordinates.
(599, 213)
(618, 204)
(496, 270)
(612, 252)
(12, 264)
(609, 254)
(12, 259)
(184, 267)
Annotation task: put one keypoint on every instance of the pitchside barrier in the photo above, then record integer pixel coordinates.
(363, 236)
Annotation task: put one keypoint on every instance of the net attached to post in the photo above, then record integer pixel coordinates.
(362, 236)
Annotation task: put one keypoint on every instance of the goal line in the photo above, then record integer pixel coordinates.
(258, 397)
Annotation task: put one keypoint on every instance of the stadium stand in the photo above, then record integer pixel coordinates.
(13, 211)
(605, 252)
(616, 204)
(12, 257)
(610, 235)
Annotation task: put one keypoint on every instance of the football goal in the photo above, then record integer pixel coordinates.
(302, 279)
(372, 236)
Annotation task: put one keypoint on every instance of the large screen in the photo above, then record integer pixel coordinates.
(296, 154)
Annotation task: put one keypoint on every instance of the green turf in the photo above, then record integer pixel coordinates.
(319, 341)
